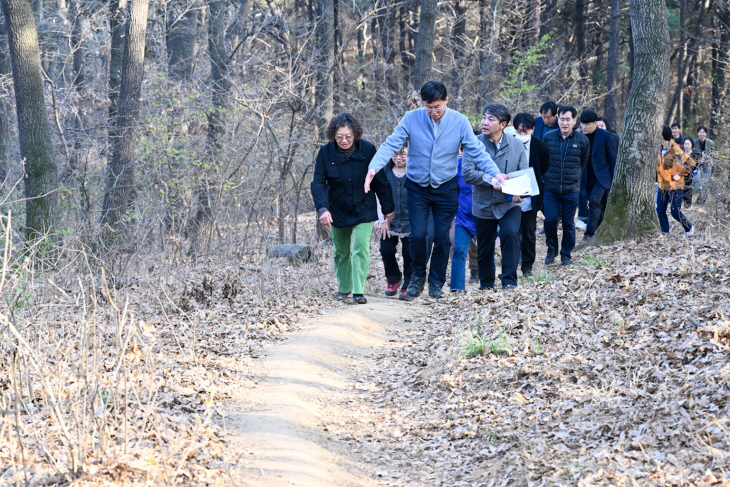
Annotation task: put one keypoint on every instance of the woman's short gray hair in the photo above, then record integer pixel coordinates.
(499, 111)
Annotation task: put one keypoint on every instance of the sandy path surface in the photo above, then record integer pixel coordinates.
(278, 420)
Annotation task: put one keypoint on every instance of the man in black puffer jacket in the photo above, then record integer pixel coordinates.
(570, 151)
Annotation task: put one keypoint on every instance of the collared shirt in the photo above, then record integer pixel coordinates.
(564, 145)
(435, 125)
(498, 145)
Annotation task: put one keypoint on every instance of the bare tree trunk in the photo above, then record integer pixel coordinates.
(610, 111)
(326, 46)
(424, 43)
(579, 51)
(457, 41)
(5, 106)
(120, 173)
(631, 203)
(116, 29)
(719, 66)
(182, 32)
(36, 148)
(675, 110)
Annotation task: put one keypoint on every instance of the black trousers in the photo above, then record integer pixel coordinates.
(388, 248)
(597, 199)
(509, 236)
(528, 224)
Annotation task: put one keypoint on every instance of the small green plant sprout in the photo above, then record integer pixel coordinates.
(536, 347)
(475, 346)
(542, 276)
(501, 345)
(592, 260)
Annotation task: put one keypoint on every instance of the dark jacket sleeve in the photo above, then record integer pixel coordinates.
(585, 155)
(612, 152)
(384, 192)
(544, 157)
(320, 191)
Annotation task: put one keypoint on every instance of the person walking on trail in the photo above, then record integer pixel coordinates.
(569, 154)
(672, 166)
(464, 233)
(492, 208)
(548, 119)
(337, 189)
(705, 147)
(399, 228)
(599, 172)
(538, 157)
(434, 134)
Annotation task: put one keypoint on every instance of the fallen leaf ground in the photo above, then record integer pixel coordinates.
(613, 371)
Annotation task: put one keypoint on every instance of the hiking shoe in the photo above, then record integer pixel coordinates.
(586, 239)
(565, 260)
(691, 231)
(404, 296)
(392, 289)
(550, 258)
(415, 288)
(434, 291)
(342, 296)
(509, 287)
(527, 273)
(359, 299)
(473, 276)
(581, 224)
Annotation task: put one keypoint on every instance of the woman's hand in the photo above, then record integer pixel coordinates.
(326, 219)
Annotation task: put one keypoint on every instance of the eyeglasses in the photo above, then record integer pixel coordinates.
(345, 137)
(434, 110)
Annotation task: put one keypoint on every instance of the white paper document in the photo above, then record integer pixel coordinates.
(519, 186)
(529, 172)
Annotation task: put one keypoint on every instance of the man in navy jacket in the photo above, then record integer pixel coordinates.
(599, 171)
(548, 119)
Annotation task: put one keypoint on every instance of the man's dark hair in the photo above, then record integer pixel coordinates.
(667, 133)
(499, 111)
(567, 109)
(675, 124)
(433, 91)
(702, 128)
(550, 106)
(525, 119)
(343, 120)
(588, 116)
(604, 120)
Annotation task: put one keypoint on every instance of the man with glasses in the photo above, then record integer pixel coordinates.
(434, 134)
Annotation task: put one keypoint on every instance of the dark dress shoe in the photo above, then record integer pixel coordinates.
(565, 260)
(550, 258)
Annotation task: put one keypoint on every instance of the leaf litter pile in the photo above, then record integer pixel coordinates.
(125, 386)
(614, 371)
(611, 372)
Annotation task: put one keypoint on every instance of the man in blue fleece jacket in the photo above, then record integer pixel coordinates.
(434, 134)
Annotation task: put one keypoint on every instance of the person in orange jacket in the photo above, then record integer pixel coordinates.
(673, 164)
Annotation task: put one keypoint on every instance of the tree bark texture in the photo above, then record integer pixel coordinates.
(630, 210)
(720, 60)
(424, 43)
(675, 110)
(5, 107)
(326, 47)
(116, 28)
(182, 32)
(36, 148)
(120, 172)
(610, 111)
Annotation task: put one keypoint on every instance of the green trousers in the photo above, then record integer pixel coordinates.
(352, 256)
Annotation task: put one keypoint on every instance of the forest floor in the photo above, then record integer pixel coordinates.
(612, 371)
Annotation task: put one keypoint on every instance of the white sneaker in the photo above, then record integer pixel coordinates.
(691, 231)
(581, 224)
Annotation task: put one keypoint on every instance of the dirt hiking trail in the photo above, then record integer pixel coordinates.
(278, 420)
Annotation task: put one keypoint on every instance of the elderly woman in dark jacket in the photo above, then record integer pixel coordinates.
(341, 201)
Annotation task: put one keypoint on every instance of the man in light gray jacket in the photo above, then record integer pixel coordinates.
(492, 208)
(434, 134)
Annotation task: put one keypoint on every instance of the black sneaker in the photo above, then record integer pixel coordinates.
(527, 273)
(473, 276)
(550, 258)
(415, 287)
(359, 299)
(342, 296)
(434, 291)
(565, 260)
